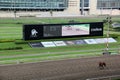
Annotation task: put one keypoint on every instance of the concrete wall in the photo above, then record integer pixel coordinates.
(6, 14)
(95, 11)
(73, 7)
(93, 4)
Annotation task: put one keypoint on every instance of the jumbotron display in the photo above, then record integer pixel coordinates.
(41, 31)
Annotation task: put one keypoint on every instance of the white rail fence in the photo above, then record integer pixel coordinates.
(114, 77)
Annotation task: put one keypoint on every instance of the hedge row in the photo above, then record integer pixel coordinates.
(3, 41)
(115, 35)
(11, 48)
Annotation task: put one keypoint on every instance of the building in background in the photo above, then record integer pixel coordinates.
(102, 7)
(33, 4)
(63, 7)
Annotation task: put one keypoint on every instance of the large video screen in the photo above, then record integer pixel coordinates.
(41, 31)
(76, 29)
(66, 30)
(52, 30)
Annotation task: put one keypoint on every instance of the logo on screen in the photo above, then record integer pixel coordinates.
(34, 33)
(96, 29)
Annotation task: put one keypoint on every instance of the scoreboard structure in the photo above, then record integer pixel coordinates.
(45, 31)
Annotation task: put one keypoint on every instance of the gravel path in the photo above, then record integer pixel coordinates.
(72, 69)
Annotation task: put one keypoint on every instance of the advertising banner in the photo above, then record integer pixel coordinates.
(60, 43)
(110, 40)
(90, 41)
(100, 40)
(70, 42)
(48, 44)
(35, 44)
(105, 40)
(78, 42)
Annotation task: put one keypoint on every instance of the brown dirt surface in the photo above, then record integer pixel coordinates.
(71, 69)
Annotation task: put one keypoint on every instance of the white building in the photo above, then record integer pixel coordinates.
(59, 7)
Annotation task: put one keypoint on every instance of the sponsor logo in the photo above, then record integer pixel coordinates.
(48, 44)
(59, 43)
(96, 29)
(34, 33)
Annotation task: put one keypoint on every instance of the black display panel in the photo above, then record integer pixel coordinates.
(41, 31)
(32, 32)
(52, 30)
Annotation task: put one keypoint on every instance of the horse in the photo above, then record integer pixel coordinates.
(102, 65)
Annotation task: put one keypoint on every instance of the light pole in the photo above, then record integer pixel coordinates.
(82, 7)
(108, 19)
(14, 10)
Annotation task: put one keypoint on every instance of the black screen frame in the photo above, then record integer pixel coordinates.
(96, 29)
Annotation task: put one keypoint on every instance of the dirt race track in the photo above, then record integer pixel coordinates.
(72, 69)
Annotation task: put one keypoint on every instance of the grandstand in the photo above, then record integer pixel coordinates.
(64, 7)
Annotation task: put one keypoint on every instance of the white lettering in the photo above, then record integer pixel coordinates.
(96, 29)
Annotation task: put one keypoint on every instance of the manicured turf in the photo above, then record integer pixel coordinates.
(11, 37)
(54, 53)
